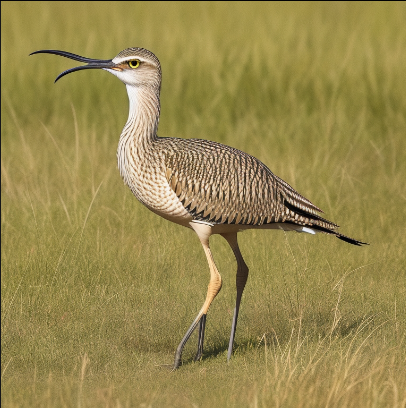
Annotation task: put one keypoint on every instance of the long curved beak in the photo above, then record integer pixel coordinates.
(91, 63)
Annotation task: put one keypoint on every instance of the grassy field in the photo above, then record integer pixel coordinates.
(96, 291)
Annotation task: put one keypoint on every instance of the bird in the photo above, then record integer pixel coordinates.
(206, 186)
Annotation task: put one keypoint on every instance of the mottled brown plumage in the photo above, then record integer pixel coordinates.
(203, 185)
(222, 185)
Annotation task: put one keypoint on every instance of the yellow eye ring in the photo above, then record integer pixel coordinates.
(134, 64)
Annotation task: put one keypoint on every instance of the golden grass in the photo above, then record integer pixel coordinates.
(97, 291)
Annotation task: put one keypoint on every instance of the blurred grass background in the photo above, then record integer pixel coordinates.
(97, 291)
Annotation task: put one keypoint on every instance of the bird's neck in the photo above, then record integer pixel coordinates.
(142, 123)
(139, 132)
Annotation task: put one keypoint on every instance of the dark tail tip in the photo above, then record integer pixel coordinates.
(350, 240)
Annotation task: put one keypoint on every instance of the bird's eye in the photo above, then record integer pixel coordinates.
(134, 64)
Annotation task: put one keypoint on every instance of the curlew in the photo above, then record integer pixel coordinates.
(203, 185)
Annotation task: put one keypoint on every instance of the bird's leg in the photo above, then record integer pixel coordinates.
(241, 280)
(203, 231)
(201, 338)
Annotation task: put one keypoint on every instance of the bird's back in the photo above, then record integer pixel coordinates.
(222, 185)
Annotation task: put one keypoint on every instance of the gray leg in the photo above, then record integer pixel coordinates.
(241, 280)
(178, 354)
(201, 338)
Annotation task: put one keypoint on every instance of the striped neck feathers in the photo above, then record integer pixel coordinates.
(143, 116)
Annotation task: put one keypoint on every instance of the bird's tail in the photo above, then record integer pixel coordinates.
(338, 235)
(348, 239)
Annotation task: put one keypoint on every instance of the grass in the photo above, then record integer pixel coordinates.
(97, 291)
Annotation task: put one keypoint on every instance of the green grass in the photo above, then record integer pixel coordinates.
(97, 291)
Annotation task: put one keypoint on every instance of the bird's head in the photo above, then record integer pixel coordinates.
(136, 67)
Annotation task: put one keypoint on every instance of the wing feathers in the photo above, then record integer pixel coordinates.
(220, 184)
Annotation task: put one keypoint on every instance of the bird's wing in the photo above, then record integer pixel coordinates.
(223, 185)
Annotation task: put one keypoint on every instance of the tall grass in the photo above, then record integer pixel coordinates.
(97, 291)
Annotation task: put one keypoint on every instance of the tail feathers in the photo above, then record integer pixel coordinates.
(317, 223)
(339, 236)
(348, 239)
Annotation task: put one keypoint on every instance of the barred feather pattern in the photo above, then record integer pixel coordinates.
(222, 185)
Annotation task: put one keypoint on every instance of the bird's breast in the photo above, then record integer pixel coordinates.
(143, 171)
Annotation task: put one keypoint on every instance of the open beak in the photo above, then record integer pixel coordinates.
(91, 63)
